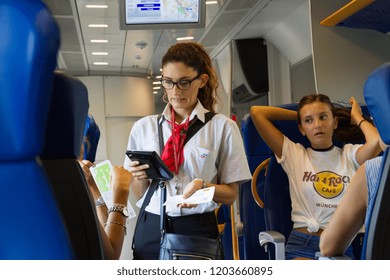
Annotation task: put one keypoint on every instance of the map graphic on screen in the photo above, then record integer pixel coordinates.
(146, 14)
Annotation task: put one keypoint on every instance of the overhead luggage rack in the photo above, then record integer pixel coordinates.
(369, 14)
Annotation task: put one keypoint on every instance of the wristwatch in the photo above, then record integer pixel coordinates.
(119, 208)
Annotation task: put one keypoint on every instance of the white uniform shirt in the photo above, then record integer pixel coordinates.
(318, 181)
(215, 154)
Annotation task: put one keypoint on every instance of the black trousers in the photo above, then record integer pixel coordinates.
(147, 235)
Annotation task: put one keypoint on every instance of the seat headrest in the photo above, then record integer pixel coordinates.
(28, 58)
(68, 112)
(253, 143)
(377, 97)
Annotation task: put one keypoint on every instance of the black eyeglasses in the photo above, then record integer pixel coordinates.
(181, 84)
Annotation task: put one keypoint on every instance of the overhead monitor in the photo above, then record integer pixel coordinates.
(161, 14)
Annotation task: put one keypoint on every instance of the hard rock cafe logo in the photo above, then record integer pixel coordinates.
(327, 183)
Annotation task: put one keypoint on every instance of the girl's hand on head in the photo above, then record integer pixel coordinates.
(356, 111)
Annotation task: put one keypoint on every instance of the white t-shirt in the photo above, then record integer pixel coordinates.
(215, 154)
(318, 181)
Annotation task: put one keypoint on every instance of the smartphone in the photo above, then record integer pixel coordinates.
(101, 174)
(157, 168)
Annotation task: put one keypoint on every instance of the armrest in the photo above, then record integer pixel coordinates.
(276, 238)
(321, 257)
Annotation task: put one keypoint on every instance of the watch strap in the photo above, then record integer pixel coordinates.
(119, 208)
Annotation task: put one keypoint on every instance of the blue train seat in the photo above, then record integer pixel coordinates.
(273, 213)
(252, 215)
(32, 226)
(91, 138)
(377, 96)
(224, 224)
(64, 135)
(274, 189)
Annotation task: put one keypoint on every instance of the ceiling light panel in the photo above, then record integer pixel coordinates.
(97, 25)
(184, 38)
(111, 11)
(112, 33)
(97, 41)
(97, 6)
(114, 55)
(99, 53)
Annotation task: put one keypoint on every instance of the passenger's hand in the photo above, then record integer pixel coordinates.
(356, 111)
(120, 178)
(120, 181)
(85, 166)
(138, 171)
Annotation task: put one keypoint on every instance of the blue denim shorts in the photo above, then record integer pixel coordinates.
(302, 245)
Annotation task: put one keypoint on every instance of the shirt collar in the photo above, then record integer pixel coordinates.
(199, 111)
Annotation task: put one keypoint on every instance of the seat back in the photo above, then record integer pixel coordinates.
(377, 96)
(271, 186)
(252, 216)
(32, 226)
(65, 130)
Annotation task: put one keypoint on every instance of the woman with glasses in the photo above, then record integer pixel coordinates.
(213, 156)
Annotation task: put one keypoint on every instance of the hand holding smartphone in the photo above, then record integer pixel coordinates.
(101, 173)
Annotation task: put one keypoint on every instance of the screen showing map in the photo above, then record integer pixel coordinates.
(154, 14)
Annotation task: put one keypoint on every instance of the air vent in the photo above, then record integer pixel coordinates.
(221, 28)
(59, 7)
(73, 61)
(69, 38)
(232, 14)
(239, 5)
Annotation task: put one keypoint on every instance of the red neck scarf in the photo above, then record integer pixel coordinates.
(172, 154)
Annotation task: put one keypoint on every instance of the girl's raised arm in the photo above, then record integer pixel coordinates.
(263, 116)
